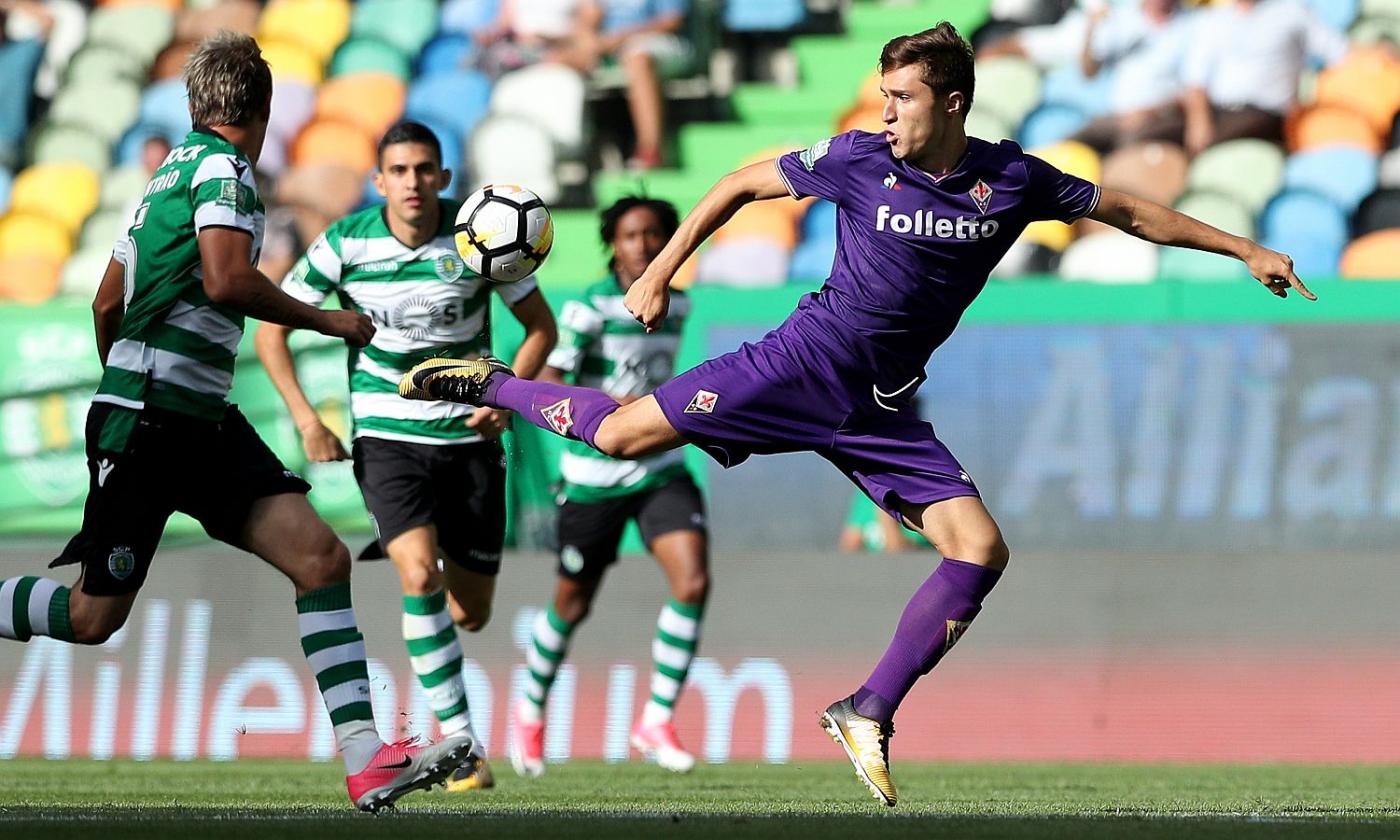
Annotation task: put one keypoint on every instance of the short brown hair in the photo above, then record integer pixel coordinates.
(228, 80)
(945, 56)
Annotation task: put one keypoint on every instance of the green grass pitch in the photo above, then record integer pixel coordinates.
(273, 799)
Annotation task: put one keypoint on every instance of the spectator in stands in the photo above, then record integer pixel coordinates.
(154, 152)
(1242, 70)
(1049, 45)
(1144, 46)
(531, 31)
(24, 26)
(643, 35)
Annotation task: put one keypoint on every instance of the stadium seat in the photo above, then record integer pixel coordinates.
(142, 30)
(101, 229)
(743, 261)
(1376, 29)
(549, 95)
(27, 234)
(770, 16)
(465, 17)
(407, 24)
(290, 60)
(83, 271)
(202, 18)
(328, 190)
(1067, 86)
(64, 192)
(1072, 157)
(1373, 256)
(107, 110)
(293, 103)
(1389, 175)
(862, 119)
(1249, 171)
(121, 187)
(512, 149)
(6, 181)
(1050, 124)
(1368, 82)
(1343, 174)
(1190, 265)
(1329, 125)
(1154, 171)
(370, 55)
(103, 63)
(319, 26)
(1009, 86)
(59, 143)
(1110, 256)
(1224, 211)
(988, 126)
(1296, 215)
(812, 259)
(766, 220)
(445, 54)
(1378, 211)
(29, 278)
(373, 101)
(1339, 14)
(335, 142)
(459, 99)
(165, 106)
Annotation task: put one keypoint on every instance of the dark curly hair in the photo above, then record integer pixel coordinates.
(665, 214)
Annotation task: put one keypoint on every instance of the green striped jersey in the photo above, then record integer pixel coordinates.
(424, 303)
(604, 347)
(175, 349)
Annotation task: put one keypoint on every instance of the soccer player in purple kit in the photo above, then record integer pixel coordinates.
(923, 214)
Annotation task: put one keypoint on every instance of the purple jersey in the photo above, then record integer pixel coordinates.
(914, 250)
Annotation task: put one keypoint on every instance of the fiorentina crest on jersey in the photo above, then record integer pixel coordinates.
(981, 195)
(560, 416)
(702, 403)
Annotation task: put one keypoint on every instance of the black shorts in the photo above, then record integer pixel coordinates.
(460, 488)
(589, 532)
(212, 471)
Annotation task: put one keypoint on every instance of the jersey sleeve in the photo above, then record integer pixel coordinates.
(317, 273)
(513, 293)
(579, 326)
(818, 170)
(224, 194)
(1052, 194)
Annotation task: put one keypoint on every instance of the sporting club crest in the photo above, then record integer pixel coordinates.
(121, 562)
(560, 416)
(702, 403)
(448, 267)
(981, 196)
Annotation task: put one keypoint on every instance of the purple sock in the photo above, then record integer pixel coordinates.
(933, 621)
(566, 410)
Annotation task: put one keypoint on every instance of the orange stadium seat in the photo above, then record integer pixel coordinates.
(332, 141)
(1368, 82)
(763, 220)
(28, 235)
(1331, 125)
(1375, 256)
(29, 278)
(371, 101)
(1154, 171)
(64, 192)
(290, 60)
(318, 25)
(863, 117)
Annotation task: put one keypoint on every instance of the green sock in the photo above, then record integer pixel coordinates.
(335, 650)
(673, 649)
(34, 606)
(548, 643)
(437, 658)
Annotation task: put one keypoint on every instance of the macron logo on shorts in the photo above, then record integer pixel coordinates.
(702, 403)
(560, 416)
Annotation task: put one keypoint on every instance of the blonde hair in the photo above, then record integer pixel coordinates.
(228, 80)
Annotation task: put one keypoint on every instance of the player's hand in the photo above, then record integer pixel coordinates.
(1275, 271)
(321, 444)
(355, 328)
(489, 422)
(648, 301)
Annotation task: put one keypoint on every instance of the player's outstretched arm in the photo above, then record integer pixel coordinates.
(1165, 226)
(318, 442)
(231, 280)
(108, 307)
(649, 298)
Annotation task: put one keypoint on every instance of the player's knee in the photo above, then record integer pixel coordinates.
(327, 564)
(693, 588)
(985, 549)
(472, 618)
(572, 610)
(420, 576)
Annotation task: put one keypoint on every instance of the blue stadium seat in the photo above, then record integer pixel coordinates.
(768, 16)
(165, 106)
(1050, 123)
(1343, 174)
(1339, 14)
(464, 17)
(1067, 86)
(444, 54)
(5, 180)
(1309, 227)
(819, 220)
(457, 99)
(811, 260)
(1312, 258)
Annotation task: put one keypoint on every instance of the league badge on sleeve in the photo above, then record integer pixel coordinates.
(981, 196)
(816, 152)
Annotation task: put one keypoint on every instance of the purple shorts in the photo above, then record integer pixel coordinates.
(779, 396)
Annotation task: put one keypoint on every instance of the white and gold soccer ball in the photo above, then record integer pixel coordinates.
(503, 232)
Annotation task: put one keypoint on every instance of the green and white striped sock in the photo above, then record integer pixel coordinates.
(437, 658)
(677, 636)
(34, 606)
(335, 650)
(548, 643)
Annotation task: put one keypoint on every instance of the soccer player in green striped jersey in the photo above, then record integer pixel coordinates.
(162, 437)
(433, 476)
(602, 346)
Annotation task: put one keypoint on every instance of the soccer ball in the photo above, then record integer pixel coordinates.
(503, 232)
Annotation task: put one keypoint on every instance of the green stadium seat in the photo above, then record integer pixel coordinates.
(142, 31)
(1250, 171)
(370, 55)
(756, 104)
(103, 63)
(1188, 265)
(407, 24)
(577, 259)
(717, 148)
(101, 229)
(1219, 209)
(682, 188)
(83, 272)
(121, 186)
(1008, 86)
(61, 143)
(837, 66)
(107, 109)
(989, 125)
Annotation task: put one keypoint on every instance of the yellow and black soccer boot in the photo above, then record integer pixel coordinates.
(453, 380)
(867, 744)
(474, 775)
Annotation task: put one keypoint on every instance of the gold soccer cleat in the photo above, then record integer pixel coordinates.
(453, 380)
(867, 745)
(474, 775)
